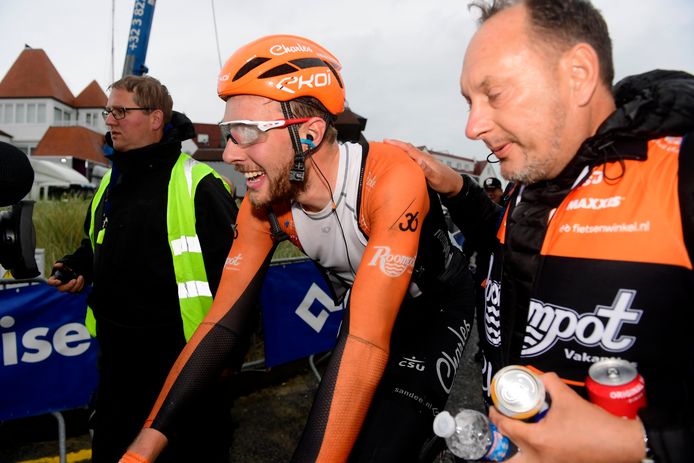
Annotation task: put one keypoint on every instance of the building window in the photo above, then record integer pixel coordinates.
(41, 113)
(66, 117)
(57, 116)
(8, 116)
(31, 113)
(89, 118)
(19, 115)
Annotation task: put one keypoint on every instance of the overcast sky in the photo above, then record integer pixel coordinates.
(401, 58)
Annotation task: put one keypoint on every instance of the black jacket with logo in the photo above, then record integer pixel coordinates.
(597, 262)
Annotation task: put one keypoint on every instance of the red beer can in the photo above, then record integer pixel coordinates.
(616, 386)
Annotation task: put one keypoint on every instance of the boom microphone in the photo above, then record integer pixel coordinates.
(16, 174)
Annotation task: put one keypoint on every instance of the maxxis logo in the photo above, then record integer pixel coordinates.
(549, 324)
(595, 204)
(392, 265)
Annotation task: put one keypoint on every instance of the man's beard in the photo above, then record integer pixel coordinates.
(281, 189)
(538, 167)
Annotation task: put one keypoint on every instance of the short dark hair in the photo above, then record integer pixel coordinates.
(562, 23)
(311, 107)
(148, 93)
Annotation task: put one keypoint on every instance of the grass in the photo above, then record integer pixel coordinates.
(286, 250)
(59, 228)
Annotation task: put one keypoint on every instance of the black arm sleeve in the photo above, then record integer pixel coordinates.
(82, 260)
(686, 191)
(671, 435)
(215, 216)
(475, 214)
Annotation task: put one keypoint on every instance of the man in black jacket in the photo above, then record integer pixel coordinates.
(158, 231)
(593, 258)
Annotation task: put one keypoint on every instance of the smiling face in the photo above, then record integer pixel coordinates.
(519, 98)
(265, 164)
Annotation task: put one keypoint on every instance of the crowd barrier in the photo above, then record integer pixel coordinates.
(48, 356)
(49, 359)
(299, 315)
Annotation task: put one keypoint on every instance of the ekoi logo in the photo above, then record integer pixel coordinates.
(232, 263)
(317, 80)
(393, 265)
(548, 324)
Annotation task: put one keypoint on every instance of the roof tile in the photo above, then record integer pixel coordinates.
(78, 142)
(33, 75)
(91, 97)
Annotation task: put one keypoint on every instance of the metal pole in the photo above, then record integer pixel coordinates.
(61, 435)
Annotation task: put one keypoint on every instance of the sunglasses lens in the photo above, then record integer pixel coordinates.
(226, 133)
(246, 134)
(241, 134)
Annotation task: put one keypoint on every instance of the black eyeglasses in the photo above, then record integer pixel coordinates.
(120, 112)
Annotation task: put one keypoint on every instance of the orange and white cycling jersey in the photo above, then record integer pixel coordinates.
(370, 241)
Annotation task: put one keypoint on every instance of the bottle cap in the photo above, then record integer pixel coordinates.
(444, 424)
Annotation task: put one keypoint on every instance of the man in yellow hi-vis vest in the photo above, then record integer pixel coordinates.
(158, 231)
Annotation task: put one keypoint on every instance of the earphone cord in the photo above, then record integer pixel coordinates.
(337, 217)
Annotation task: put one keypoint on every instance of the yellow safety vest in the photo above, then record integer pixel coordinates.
(194, 295)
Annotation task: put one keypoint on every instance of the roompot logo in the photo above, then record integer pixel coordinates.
(549, 324)
(492, 302)
(391, 264)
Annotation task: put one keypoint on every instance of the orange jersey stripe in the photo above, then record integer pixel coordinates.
(635, 218)
(394, 187)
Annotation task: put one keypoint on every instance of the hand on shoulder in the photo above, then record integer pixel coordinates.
(440, 177)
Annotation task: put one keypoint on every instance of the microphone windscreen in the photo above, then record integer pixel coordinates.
(16, 174)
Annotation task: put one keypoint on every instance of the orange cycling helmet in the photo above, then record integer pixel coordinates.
(284, 68)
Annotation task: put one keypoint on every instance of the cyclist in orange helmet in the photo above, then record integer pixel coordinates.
(363, 213)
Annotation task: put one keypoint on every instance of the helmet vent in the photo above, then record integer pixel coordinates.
(249, 66)
(337, 76)
(305, 63)
(280, 70)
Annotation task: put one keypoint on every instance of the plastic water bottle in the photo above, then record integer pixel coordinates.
(471, 436)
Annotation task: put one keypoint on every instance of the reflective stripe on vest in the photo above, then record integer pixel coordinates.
(194, 295)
